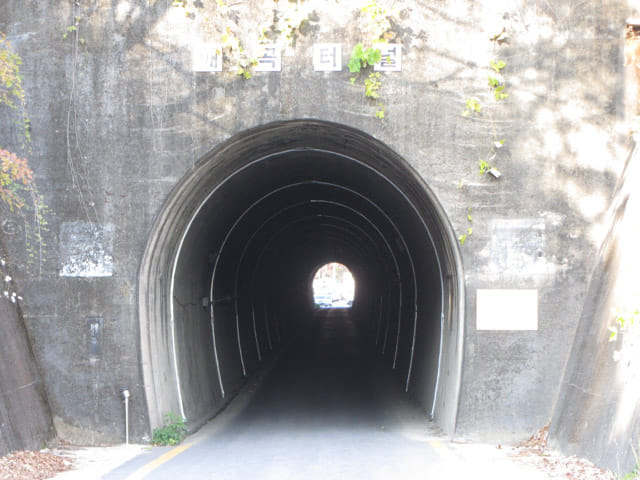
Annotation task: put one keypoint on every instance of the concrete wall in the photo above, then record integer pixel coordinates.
(25, 418)
(119, 117)
(597, 414)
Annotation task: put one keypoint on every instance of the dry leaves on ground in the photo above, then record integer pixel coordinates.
(535, 451)
(29, 465)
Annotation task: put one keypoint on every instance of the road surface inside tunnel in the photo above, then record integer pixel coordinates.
(327, 408)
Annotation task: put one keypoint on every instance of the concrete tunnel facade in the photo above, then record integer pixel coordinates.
(175, 270)
(226, 277)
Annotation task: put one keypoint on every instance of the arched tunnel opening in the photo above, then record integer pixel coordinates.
(333, 286)
(226, 282)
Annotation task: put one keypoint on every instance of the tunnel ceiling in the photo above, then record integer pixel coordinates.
(248, 227)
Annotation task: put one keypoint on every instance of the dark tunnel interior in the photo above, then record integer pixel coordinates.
(239, 241)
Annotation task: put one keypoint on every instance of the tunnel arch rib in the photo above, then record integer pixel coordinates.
(220, 279)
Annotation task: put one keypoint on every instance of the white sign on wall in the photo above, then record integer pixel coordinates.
(270, 59)
(327, 57)
(207, 57)
(505, 309)
(391, 60)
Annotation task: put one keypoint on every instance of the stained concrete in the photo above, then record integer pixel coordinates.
(120, 122)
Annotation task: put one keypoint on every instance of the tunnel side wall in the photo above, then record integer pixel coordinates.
(25, 417)
(597, 414)
(118, 117)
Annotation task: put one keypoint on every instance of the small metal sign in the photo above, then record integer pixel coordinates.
(94, 337)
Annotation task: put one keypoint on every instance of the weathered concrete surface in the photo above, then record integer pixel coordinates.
(598, 410)
(119, 117)
(25, 418)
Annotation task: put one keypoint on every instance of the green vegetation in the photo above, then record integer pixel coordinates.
(372, 85)
(495, 83)
(378, 21)
(484, 166)
(377, 26)
(220, 20)
(473, 108)
(72, 28)
(361, 58)
(463, 238)
(11, 92)
(15, 179)
(17, 186)
(632, 475)
(497, 65)
(624, 321)
(172, 431)
(635, 473)
(245, 66)
(15, 174)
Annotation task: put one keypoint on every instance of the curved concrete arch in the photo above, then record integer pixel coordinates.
(244, 172)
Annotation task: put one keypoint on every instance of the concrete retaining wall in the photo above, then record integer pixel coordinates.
(598, 410)
(119, 117)
(25, 418)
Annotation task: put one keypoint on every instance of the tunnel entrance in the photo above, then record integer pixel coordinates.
(225, 281)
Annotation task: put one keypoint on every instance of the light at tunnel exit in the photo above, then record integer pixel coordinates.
(333, 286)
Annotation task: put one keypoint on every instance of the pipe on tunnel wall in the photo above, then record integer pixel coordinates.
(246, 228)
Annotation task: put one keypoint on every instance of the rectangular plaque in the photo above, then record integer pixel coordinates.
(391, 60)
(207, 57)
(270, 60)
(327, 57)
(505, 309)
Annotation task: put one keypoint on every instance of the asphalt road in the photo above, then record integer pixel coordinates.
(326, 409)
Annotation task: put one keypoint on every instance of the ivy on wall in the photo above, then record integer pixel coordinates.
(496, 83)
(281, 26)
(219, 20)
(377, 21)
(18, 192)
